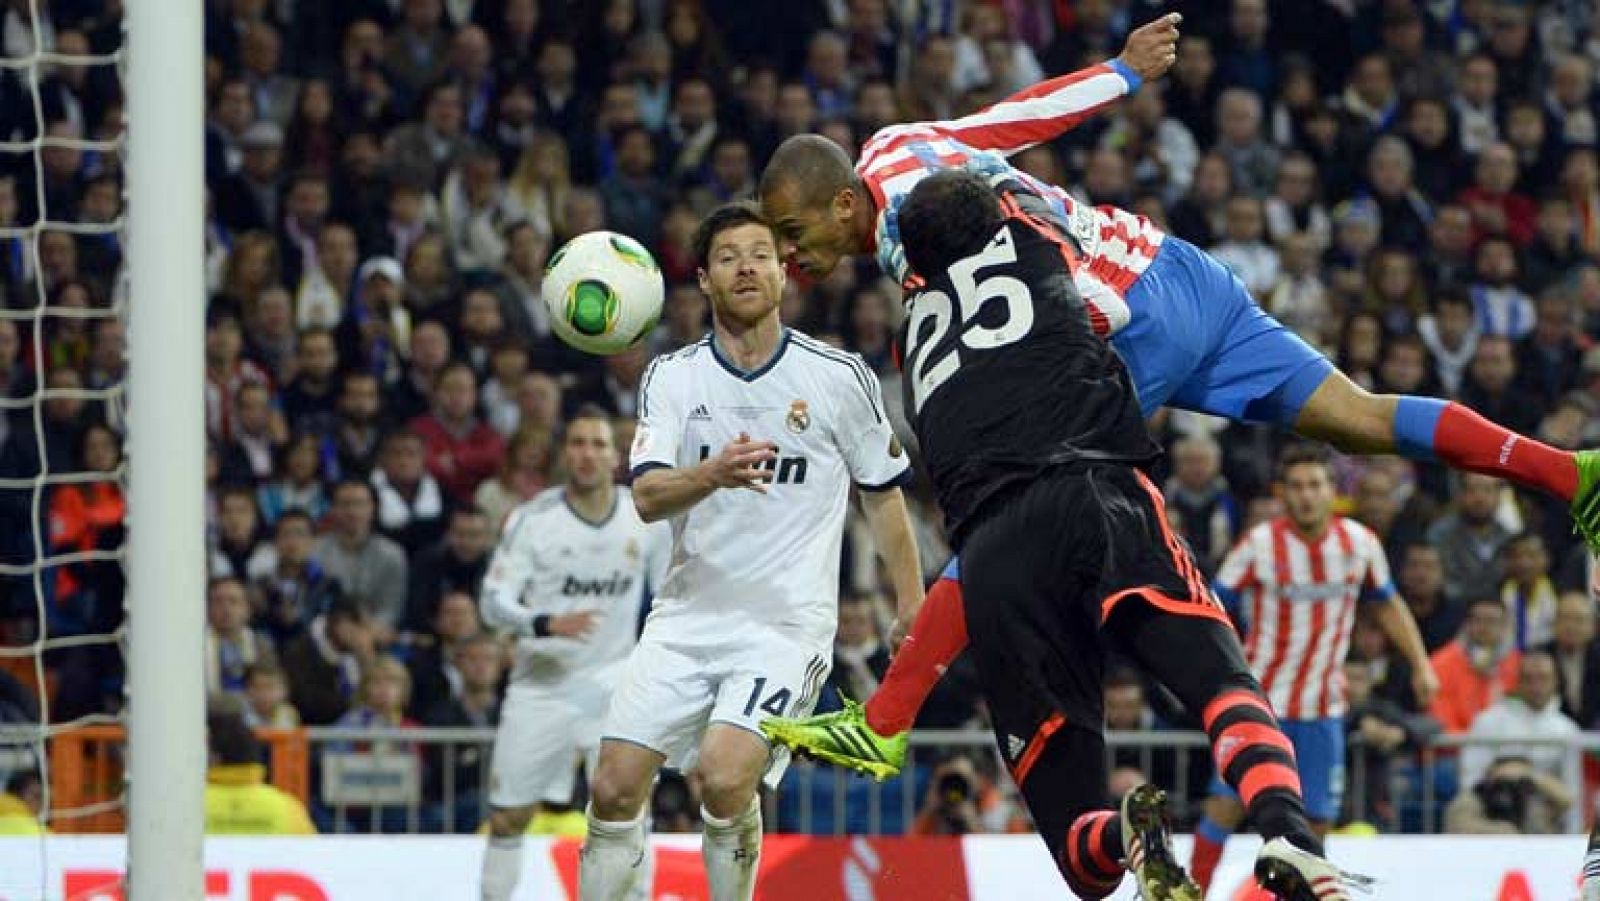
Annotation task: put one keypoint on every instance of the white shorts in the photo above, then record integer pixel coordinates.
(544, 734)
(673, 689)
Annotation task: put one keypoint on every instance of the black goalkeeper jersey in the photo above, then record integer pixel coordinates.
(1005, 378)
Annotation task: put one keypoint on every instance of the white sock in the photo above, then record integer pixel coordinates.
(732, 852)
(613, 855)
(502, 866)
(644, 885)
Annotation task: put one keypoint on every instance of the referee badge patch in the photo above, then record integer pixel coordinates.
(799, 417)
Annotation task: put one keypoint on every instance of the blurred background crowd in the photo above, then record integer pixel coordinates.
(1413, 186)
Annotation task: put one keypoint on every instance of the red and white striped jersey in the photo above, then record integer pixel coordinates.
(1117, 245)
(1300, 600)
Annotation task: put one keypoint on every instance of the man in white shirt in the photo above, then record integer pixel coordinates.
(567, 580)
(748, 441)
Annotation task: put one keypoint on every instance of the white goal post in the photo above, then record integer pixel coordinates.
(164, 79)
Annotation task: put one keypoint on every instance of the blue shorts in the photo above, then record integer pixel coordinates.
(1198, 341)
(1319, 756)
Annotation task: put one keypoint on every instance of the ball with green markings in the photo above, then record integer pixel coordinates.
(603, 291)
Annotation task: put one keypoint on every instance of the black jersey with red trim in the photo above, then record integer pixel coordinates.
(1004, 376)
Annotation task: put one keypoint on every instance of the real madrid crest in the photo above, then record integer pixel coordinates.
(799, 417)
(631, 551)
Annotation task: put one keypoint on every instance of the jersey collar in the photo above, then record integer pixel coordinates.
(616, 496)
(753, 374)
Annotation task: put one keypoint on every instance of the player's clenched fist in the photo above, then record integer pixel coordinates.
(741, 464)
(573, 625)
(1153, 48)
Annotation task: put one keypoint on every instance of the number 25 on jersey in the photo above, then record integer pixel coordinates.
(955, 331)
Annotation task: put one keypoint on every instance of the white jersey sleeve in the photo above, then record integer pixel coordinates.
(866, 440)
(511, 572)
(659, 434)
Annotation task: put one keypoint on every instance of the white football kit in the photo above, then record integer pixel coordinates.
(552, 561)
(742, 628)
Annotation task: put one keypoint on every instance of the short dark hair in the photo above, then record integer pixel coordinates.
(231, 740)
(814, 164)
(1451, 294)
(948, 216)
(1486, 600)
(1303, 453)
(725, 218)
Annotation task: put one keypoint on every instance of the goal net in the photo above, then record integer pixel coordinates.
(67, 325)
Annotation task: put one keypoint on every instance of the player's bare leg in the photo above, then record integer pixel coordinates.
(502, 859)
(732, 761)
(1357, 421)
(614, 853)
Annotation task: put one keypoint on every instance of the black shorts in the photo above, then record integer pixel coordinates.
(1042, 571)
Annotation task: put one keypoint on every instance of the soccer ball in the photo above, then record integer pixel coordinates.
(603, 291)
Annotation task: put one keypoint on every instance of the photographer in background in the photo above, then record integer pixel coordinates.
(1512, 799)
(963, 799)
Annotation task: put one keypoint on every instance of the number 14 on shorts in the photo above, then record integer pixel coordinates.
(775, 703)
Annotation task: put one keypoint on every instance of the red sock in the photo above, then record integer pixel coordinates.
(1465, 440)
(937, 636)
(1203, 863)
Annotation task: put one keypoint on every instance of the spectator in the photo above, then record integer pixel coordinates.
(411, 505)
(1244, 249)
(238, 799)
(859, 656)
(307, 401)
(540, 183)
(474, 701)
(325, 664)
(290, 584)
(1550, 357)
(462, 450)
(1294, 207)
(1554, 249)
(1451, 336)
(1378, 732)
(507, 364)
(1580, 180)
(299, 486)
(231, 646)
(432, 662)
(1299, 299)
(226, 371)
(1491, 390)
(525, 473)
(315, 133)
(1449, 259)
(1474, 103)
(1253, 159)
(422, 152)
(634, 198)
(1512, 799)
(258, 434)
(412, 394)
(1576, 653)
(248, 198)
(238, 539)
(521, 277)
(1533, 711)
(482, 327)
(20, 804)
(305, 208)
(1422, 585)
(370, 569)
(1405, 211)
(1497, 209)
(1470, 538)
(83, 517)
(351, 451)
(328, 279)
(1527, 592)
(1435, 149)
(266, 698)
(415, 52)
(1203, 508)
(457, 563)
(1475, 670)
(475, 208)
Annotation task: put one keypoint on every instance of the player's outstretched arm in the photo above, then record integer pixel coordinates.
(667, 491)
(1055, 106)
(1395, 618)
(891, 534)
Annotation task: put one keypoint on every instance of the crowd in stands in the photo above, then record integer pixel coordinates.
(1419, 198)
